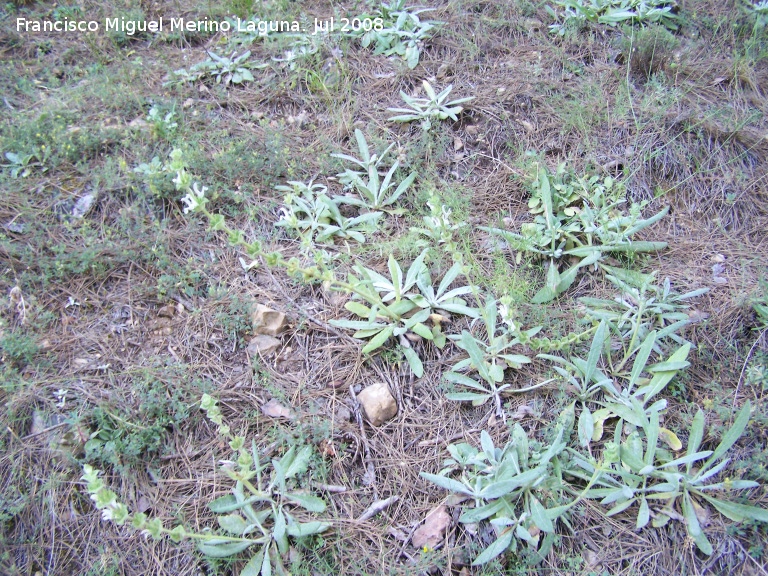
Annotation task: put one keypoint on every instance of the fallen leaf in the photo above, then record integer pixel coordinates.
(697, 316)
(432, 532)
(397, 534)
(15, 227)
(522, 411)
(274, 409)
(701, 513)
(327, 448)
(527, 125)
(343, 414)
(138, 123)
(143, 504)
(591, 559)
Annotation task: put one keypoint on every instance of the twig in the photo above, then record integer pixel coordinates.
(330, 488)
(377, 507)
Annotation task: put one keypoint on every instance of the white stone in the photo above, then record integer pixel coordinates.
(378, 403)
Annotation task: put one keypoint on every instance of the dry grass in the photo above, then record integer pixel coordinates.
(698, 144)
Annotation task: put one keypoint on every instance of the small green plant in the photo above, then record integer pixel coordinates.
(433, 107)
(489, 356)
(649, 50)
(259, 513)
(158, 174)
(21, 164)
(316, 217)
(612, 12)
(760, 9)
(641, 307)
(638, 471)
(439, 228)
(18, 349)
(124, 434)
(163, 125)
(297, 47)
(587, 380)
(518, 488)
(759, 304)
(397, 30)
(396, 309)
(222, 69)
(578, 217)
(376, 193)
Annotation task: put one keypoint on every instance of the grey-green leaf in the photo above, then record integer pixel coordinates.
(586, 427)
(447, 483)
(730, 437)
(307, 501)
(222, 550)
(495, 549)
(539, 515)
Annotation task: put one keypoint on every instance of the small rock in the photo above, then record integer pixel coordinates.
(533, 24)
(378, 403)
(262, 344)
(432, 532)
(83, 205)
(138, 123)
(343, 414)
(267, 321)
(15, 227)
(167, 311)
(143, 504)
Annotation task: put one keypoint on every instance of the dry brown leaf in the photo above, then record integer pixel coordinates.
(274, 409)
(432, 532)
(701, 513)
(522, 411)
(327, 448)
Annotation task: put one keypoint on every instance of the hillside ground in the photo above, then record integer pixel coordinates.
(119, 311)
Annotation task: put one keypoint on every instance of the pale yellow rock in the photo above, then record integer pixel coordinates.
(262, 344)
(378, 403)
(267, 321)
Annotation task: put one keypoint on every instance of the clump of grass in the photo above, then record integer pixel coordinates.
(648, 50)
